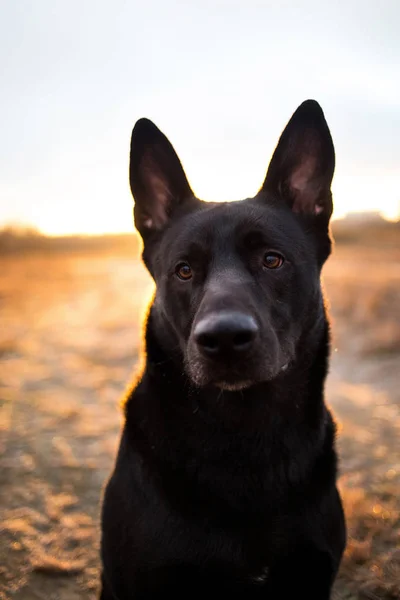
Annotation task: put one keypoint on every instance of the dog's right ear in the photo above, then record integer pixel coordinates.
(157, 179)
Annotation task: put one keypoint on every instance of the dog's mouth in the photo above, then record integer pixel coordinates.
(233, 376)
(237, 386)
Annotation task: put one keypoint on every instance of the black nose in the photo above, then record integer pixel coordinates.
(225, 333)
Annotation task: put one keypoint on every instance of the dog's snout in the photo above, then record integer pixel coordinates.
(225, 333)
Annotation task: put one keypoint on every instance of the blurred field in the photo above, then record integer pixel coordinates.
(70, 317)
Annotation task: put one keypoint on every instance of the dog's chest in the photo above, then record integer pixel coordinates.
(262, 577)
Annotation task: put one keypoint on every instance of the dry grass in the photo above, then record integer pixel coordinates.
(69, 340)
(363, 285)
(371, 565)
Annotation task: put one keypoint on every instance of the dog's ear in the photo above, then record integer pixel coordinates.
(157, 179)
(302, 166)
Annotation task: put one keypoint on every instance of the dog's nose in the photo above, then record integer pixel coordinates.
(225, 333)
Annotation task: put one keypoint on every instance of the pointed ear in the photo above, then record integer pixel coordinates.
(302, 166)
(157, 179)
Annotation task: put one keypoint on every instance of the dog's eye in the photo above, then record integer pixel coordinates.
(183, 271)
(272, 260)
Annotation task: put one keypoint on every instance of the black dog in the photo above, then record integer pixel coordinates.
(224, 485)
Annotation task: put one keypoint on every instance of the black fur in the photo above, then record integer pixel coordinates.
(225, 480)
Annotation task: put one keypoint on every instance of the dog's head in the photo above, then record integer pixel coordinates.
(237, 283)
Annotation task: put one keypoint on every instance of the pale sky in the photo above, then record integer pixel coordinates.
(220, 78)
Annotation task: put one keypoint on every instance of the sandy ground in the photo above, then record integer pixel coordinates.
(69, 341)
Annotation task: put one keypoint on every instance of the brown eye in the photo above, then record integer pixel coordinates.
(273, 260)
(183, 271)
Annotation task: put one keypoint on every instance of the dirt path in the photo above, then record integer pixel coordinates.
(69, 339)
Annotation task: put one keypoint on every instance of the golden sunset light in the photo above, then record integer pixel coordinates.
(66, 140)
(107, 212)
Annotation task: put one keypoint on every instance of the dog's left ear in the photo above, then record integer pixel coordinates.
(302, 166)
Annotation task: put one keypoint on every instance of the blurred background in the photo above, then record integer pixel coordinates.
(220, 78)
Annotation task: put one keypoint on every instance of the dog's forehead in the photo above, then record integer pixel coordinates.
(225, 221)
